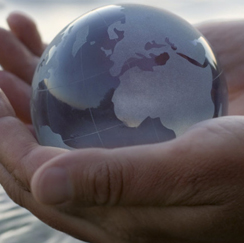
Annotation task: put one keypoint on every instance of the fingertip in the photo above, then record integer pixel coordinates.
(25, 28)
(20, 22)
(51, 186)
(16, 16)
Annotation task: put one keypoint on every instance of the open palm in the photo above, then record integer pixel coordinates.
(182, 191)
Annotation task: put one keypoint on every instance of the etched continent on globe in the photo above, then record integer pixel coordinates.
(125, 75)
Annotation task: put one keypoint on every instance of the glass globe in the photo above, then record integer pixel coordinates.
(125, 75)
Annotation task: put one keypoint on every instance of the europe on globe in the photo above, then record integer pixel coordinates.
(124, 75)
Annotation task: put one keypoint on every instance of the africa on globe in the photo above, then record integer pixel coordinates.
(124, 75)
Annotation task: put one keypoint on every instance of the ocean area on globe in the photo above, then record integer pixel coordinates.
(124, 75)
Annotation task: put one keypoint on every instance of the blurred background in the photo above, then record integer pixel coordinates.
(17, 225)
(53, 15)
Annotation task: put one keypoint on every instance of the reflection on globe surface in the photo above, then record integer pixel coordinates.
(125, 75)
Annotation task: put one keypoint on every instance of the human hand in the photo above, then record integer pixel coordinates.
(185, 190)
(226, 39)
(20, 51)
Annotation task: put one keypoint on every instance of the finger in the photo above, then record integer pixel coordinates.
(185, 171)
(18, 93)
(26, 31)
(20, 153)
(15, 57)
(226, 39)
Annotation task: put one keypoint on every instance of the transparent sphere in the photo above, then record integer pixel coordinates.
(125, 75)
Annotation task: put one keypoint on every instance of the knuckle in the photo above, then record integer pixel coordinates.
(108, 183)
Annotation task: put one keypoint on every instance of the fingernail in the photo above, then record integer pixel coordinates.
(53, 186)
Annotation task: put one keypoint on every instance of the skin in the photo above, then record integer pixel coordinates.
(188, 190)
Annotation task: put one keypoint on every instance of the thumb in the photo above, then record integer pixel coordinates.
(183, 171)
(100, 176)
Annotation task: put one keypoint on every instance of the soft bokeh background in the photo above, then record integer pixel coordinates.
(53, 15)
(17, 225)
